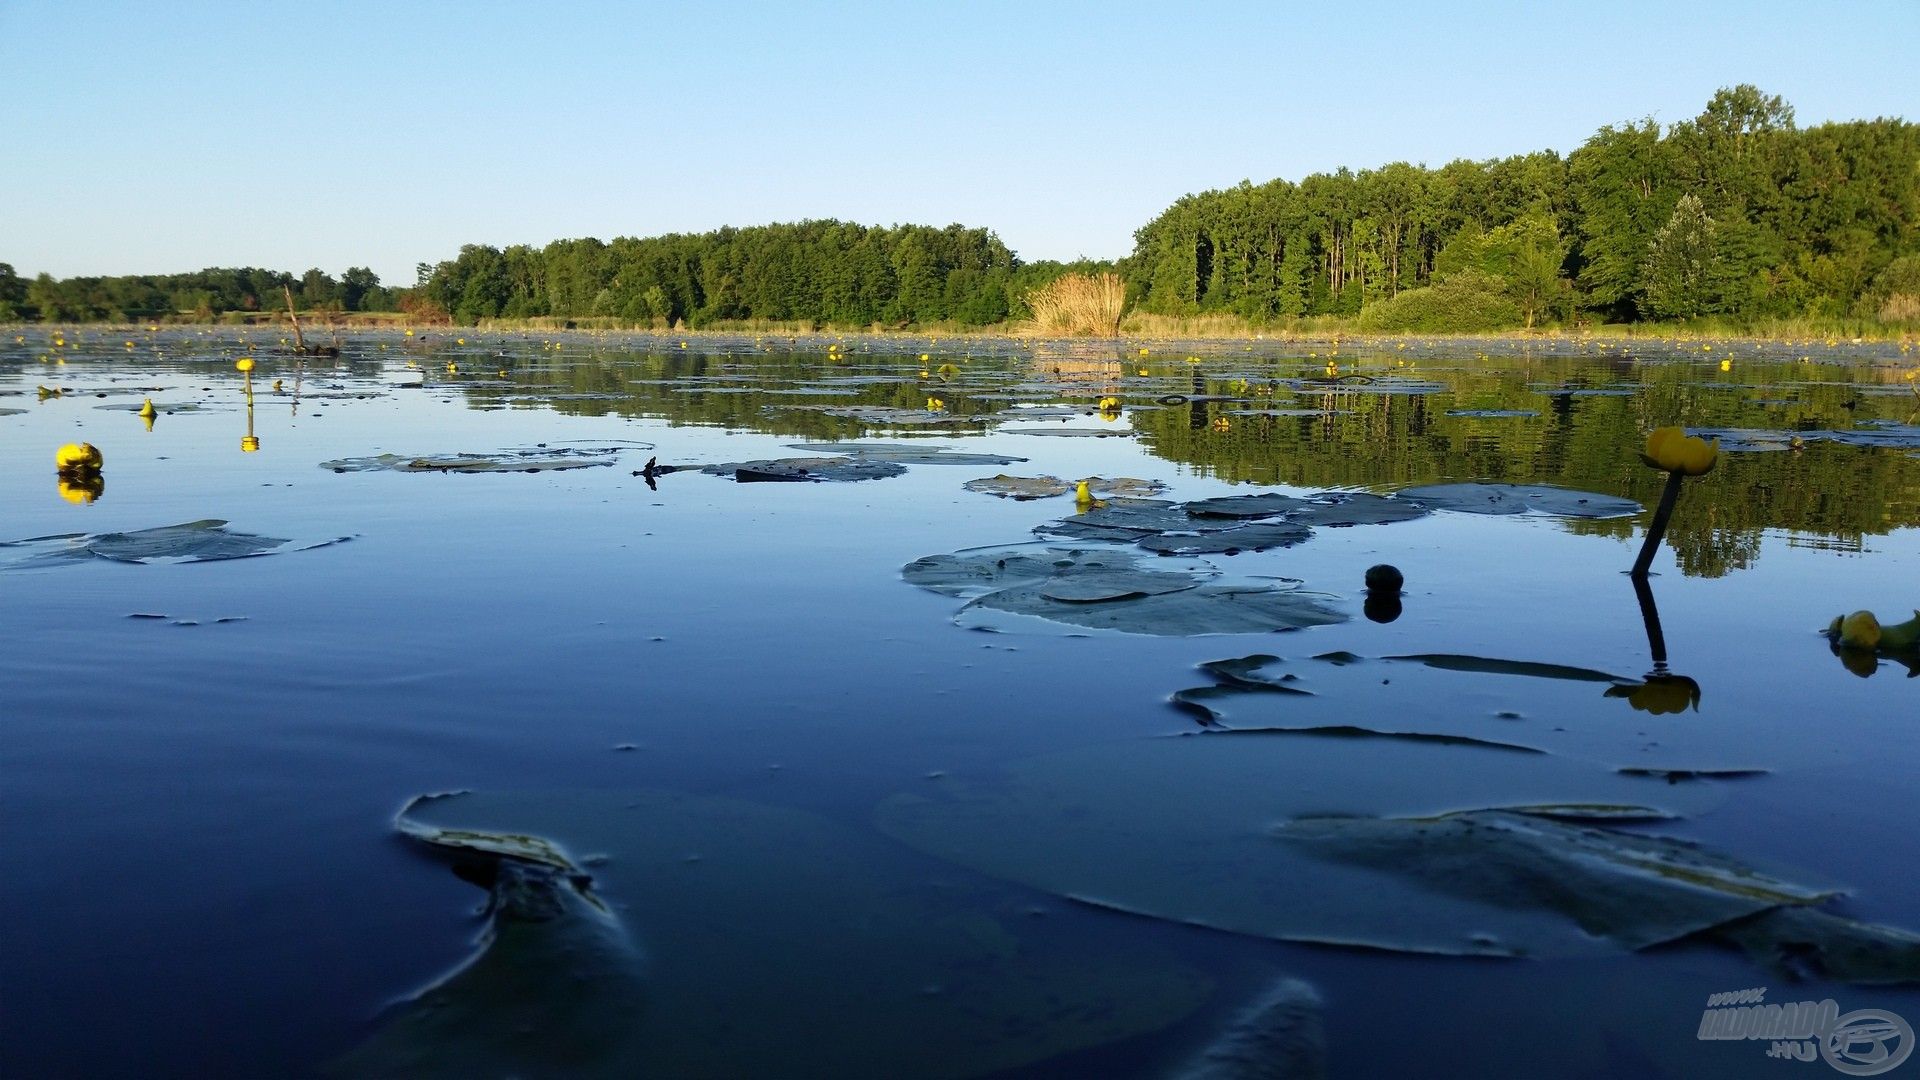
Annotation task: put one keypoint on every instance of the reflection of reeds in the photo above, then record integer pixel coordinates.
(1079, 304)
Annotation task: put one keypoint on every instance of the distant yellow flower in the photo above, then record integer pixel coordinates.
(78, 458)
(935, 404)
(1673, 450)
(245, 363)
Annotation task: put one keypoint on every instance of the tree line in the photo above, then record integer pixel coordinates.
(1736, 215)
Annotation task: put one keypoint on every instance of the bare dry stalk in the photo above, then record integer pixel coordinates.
(1079, 304)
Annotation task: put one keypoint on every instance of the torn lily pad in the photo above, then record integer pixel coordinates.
(881, 973)
(208, 540)
(1026, 587)
(1502, 499)
(1185, 829)
(807, 469)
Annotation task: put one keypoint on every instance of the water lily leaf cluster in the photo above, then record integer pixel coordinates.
(525, 460)
(1029, 586)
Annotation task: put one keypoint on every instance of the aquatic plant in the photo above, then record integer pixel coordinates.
(1680, 455)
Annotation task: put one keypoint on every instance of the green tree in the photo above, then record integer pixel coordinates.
(1680, 278)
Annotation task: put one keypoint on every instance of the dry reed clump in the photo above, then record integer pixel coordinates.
(1901, 308)
(1079, 304)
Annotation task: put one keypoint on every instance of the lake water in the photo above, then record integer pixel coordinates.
(817, 819)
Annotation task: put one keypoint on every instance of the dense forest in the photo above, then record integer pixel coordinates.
(1737, 215)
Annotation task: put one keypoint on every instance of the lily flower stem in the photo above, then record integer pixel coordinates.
(1658, 527)
(1650, 615)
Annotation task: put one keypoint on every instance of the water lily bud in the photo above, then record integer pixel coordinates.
(1860, 630)
(245, 363)
(1384, 578)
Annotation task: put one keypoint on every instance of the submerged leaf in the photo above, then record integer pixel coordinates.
(1183, 829)
(880, 973)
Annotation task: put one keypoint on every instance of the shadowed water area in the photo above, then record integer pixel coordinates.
(594, 705)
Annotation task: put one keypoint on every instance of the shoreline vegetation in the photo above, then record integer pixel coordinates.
(1736, 223)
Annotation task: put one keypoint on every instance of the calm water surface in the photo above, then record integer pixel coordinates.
(202, 874)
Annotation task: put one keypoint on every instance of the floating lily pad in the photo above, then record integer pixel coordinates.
(1495, 666)
(1337, 509)
(1500, 499)
(1185, 829)
(890, 416)
(905, 454)
(159, 406)
(1266, 504)
(843, 469)
(1019, 487)
(880, 973)
(1259, 536)
(195, 541)
(1123, 487)
(1494, 414)
(1481, 698)
(13, 412)
(1125, 523)
(1279, 1036)
(530, 460)
(1025, 587)
(1803, 942)
(1073, 432)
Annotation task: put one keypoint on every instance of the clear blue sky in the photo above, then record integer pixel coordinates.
(154, 137)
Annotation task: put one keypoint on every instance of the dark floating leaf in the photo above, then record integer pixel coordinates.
(1279, 1036)
(1256, 537)
(1675, 776)
(1338, 509)
(905, 453)
(1803, 942)
(191, 542)
(1125, 522)
(1495, 666)
(1073, 432)
(528, 460)
(1519, 499)
(1266, 504)
(843, 469)
(922, 983)
(1110, 589)
(1494, 414)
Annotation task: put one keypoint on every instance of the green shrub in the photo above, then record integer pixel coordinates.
(1466, 302)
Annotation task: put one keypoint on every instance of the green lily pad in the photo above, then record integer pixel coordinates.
(807, 469)
(1125, 523)
(1037, 587)
(1123, 487)
(1494, 414)
(1019, 487)
(1500, 499)
(1195, 830)
(880, 973)
(1338, 509)
(207, 540)
(1256, 537)
(1266, 504)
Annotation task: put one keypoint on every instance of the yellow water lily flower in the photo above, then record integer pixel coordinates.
(77, 459)
(245, 363)
(1673, 450)
(147, 411)
(1859, 630)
